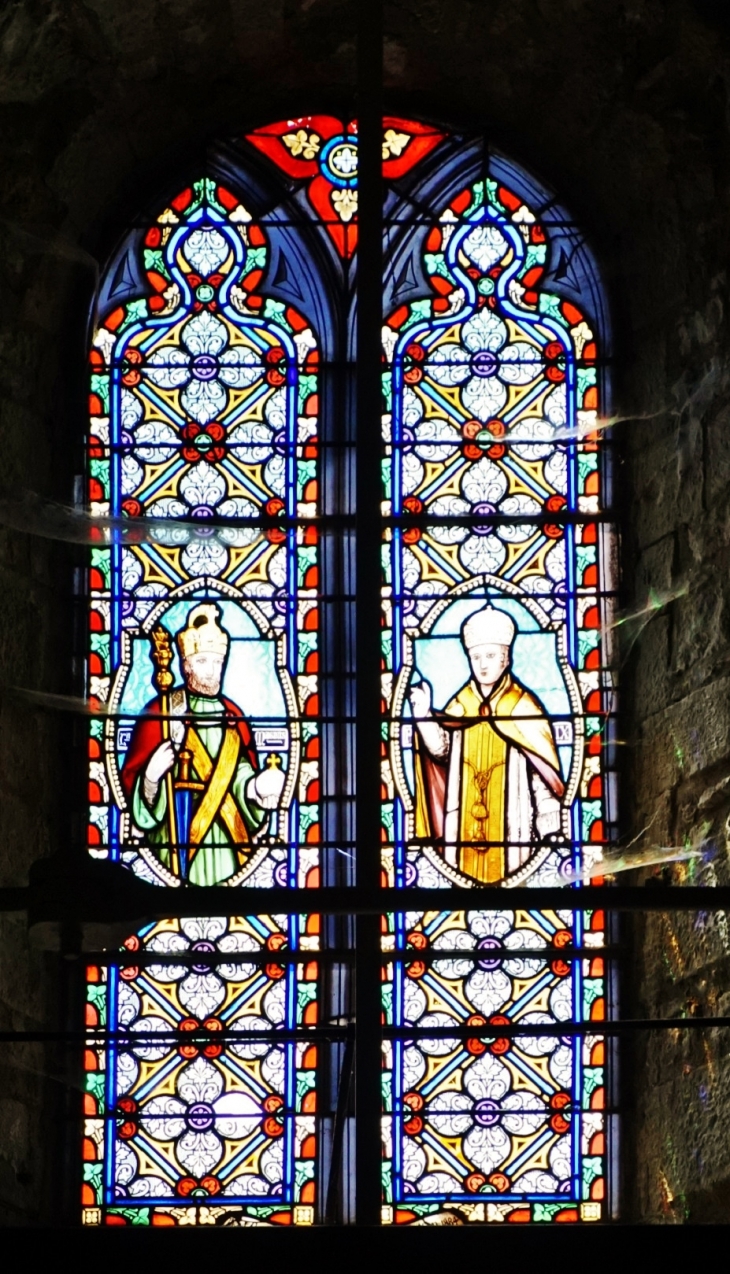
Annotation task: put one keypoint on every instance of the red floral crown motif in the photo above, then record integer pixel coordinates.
(322, 150)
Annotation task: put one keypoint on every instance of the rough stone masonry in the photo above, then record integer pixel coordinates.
(624, 109)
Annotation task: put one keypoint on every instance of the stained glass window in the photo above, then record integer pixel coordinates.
(204, 754)
(220, 677)
(498, 588)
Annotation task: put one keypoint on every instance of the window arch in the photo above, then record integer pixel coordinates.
(221, 666)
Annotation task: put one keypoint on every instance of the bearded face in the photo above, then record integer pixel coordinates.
(203, 673)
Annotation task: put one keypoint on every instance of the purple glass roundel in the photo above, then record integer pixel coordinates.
(281, 874)
(483, 528)
(200, 1117)
(489, 944)
(484, 363)
(202, 946)
(204, 367)
(486, 1112)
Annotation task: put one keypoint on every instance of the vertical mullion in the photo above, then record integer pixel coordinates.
(368, 603)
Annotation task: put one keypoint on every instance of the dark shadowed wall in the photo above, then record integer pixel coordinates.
(622, 106)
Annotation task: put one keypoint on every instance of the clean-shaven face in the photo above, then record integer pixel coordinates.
(203, 673)
(488, 662)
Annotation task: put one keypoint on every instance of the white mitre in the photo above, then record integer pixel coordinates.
(202, 633)
(488, 627)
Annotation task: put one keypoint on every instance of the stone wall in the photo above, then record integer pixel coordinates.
(623, 108)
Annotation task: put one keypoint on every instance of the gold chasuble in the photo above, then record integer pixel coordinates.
(484, 790)
(480, 796)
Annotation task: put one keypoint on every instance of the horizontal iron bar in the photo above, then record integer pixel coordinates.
(126, 529)
(497, 955)
(39, 698)
(554, 1029)
(282, 1112)
(288, 1112)
(211, 960)
(584, 435)
(300, 364)
(560, 842)
(206, 959)
(270, 219)
(197, 1039)
(110, 897)
(204, 1039)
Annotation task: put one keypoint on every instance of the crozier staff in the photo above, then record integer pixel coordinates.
(209, 762)
(488, 781)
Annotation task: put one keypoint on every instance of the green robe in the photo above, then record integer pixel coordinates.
(216, 858)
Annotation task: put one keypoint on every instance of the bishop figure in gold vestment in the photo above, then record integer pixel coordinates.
(488, 781)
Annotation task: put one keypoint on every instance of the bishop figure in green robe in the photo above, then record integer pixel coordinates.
(191, 776)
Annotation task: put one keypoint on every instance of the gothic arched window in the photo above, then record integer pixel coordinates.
(224, 599)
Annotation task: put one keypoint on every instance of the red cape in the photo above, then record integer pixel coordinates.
(147, 735)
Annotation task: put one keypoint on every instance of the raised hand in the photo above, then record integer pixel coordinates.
(420, 697)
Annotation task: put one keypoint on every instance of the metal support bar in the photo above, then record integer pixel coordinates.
(338, 1131)
(313, 1034)
(368, 605)
(104, 894)
(331, 955)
